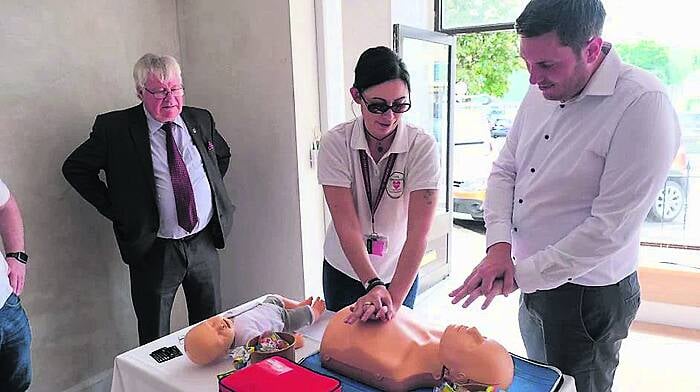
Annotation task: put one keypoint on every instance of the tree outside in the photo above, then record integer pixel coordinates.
(485, 62)
(671, 65)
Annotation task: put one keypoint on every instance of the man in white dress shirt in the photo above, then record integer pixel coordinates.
(588, 152)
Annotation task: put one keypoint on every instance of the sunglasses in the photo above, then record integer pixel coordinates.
(382, 107)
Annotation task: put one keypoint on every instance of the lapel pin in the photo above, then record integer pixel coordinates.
(194, 130)
(210, 146)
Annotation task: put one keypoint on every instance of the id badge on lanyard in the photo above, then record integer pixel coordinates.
(376, 244)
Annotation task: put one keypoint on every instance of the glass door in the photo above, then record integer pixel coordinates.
(429, 57)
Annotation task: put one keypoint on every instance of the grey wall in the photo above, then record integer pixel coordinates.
(62, 63)
(237, 61)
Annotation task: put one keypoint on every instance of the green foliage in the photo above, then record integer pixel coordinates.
(671, 66)
(649, 55)
(486, 60)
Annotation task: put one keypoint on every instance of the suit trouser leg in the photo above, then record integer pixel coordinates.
(580, 329)
(201, 282)
(154, 283)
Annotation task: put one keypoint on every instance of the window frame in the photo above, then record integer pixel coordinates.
(468, 29)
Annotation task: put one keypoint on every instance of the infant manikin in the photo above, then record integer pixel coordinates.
(212, 339)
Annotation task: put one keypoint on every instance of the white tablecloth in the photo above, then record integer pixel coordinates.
(137, 371)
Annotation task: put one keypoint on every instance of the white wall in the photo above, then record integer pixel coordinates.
(369, 23)
(366, 23)
(237, 56)
(414, 13)
(305, 70)
(331, 64)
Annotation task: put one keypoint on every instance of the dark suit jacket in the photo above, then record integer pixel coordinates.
(119, 144)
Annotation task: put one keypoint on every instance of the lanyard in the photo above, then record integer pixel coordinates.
(382, 185)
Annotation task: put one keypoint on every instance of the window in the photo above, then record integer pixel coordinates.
(481, 15)
(491, 81)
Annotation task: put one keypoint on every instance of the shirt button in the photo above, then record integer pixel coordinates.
(513, 258)
(532, 170)
(569, 279)
(520, 201)
(546, 137)
(562, 105)
(515, 229)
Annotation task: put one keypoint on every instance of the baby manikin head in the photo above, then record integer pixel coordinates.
(209, 340)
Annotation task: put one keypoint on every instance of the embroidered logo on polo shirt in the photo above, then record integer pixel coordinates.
(394, 188)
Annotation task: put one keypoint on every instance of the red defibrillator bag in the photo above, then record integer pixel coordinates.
(277, 374)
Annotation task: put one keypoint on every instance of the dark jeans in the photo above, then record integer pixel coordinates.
(340, 290)
(15, 341)
(192, 262)
(579, 329)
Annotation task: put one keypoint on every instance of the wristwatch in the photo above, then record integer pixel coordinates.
(372, 283)
(19, 256)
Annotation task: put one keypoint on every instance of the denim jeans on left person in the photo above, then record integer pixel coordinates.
(15, 341)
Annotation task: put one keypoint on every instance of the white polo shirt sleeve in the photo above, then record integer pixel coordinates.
(333, 159)
(4, 193)
(423, 166)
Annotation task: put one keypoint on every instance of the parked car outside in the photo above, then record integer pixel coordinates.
(671, 200)
(473, 156)
(475, 151)
(501, 127)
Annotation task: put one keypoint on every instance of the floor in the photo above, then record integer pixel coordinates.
(652, 358)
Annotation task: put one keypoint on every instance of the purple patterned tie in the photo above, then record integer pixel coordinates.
(182, 186)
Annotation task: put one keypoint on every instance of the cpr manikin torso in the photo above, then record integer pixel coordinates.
(403, 354)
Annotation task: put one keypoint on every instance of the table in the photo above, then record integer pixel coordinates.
(135, 370)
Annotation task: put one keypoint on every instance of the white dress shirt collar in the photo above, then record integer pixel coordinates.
(154, 125)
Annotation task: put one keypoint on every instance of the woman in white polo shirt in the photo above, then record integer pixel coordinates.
(374, 247)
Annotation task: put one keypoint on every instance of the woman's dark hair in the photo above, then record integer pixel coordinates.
(574, 21)
(378, 65)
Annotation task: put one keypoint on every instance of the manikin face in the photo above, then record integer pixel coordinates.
(209, 340)
(391, 92)
(162, 109)
(469, 356)
(558, 71)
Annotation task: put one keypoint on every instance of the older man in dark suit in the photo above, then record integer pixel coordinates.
(164, 193)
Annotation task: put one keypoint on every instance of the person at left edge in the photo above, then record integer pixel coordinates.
(164, 193)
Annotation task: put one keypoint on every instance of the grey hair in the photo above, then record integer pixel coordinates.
(163, 67)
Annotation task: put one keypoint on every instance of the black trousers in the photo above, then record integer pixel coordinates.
(579, 329)
(340, 290)
(192, 262)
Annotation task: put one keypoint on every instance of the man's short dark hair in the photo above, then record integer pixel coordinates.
(574, 21)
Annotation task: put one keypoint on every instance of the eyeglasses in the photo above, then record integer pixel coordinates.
(161, 94)
(381, 107)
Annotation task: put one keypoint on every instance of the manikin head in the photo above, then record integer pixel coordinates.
(209, 340)
(561, 45)
(469, 356)
(382, 89)
(159, 86)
